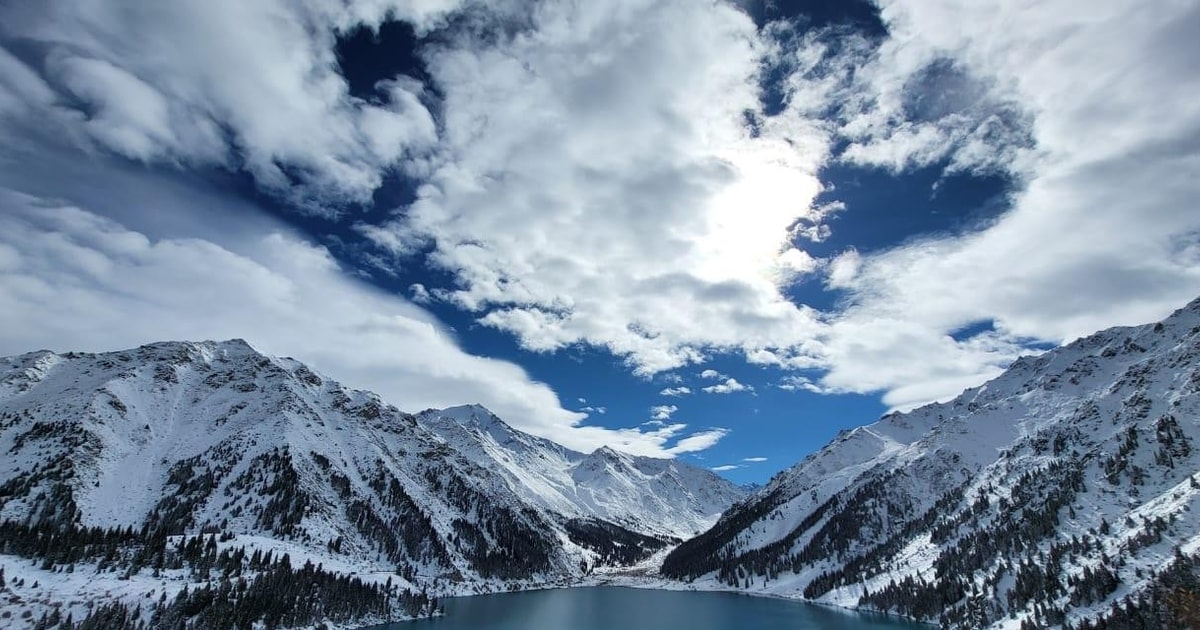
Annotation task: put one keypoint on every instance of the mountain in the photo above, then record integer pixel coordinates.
(658, 497)
(213, 465)
(1063, 492)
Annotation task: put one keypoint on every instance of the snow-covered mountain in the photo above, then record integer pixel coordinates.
(657, 497)
(1065, 491)
(178, 439)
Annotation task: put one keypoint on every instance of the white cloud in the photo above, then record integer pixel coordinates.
(843, 268)
(711, 374)
(252, 86)
(1096, 118)
(675, 391)
(72, 280)
(395, 244)
(595, 180)
(662, 412)
(792, 383)
(725, 468)
(601, 185)
(754, 460)
(419, 294)
(699, 441)
(729, 386)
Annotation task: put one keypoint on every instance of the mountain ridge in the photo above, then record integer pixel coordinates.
(998, 508)
(214, 438)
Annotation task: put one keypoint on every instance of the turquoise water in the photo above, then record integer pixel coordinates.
(614, 608)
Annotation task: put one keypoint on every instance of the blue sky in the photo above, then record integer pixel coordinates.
(719, 231)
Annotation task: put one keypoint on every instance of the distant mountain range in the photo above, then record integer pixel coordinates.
(149, 483)
(1063, 493)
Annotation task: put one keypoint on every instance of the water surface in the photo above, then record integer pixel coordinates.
(616, 608)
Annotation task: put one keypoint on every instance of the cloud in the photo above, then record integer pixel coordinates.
(73, 280)
(607, 176)
(726, 467)
(711, 374)
(1094, 119)
(662, 412)
(754, 460)
(618, 199)
(240, 86)
(843, 268)
(729, 386)
(675, 391)
(698, 441)
(793, 383)
(419, 294)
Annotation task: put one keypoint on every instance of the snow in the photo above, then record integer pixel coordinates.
(123, 421)
(661, 497)
(1084, 396)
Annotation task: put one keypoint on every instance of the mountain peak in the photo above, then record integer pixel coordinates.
(468, 414)
(1089, 447)
(607, 452)
(194, 350)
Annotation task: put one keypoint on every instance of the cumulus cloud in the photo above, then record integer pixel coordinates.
(618, 198)
(675, 391)
(728, 386)
(711, 374)
(73, 280)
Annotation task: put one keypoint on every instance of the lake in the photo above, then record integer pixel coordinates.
(610, 607)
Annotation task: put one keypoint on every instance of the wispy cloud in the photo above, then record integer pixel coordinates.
(698, 441)
(675, 391)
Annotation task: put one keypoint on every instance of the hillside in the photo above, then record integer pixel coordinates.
(203, 464)
(1064, 491)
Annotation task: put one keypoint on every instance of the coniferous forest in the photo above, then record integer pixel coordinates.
(238, 590)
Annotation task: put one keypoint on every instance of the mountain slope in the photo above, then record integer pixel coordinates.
(1064, 486)
(181, 439)
(651, 496)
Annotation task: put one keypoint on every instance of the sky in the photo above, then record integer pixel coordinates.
(707, 229)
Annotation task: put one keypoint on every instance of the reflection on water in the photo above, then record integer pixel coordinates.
(609, 608)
